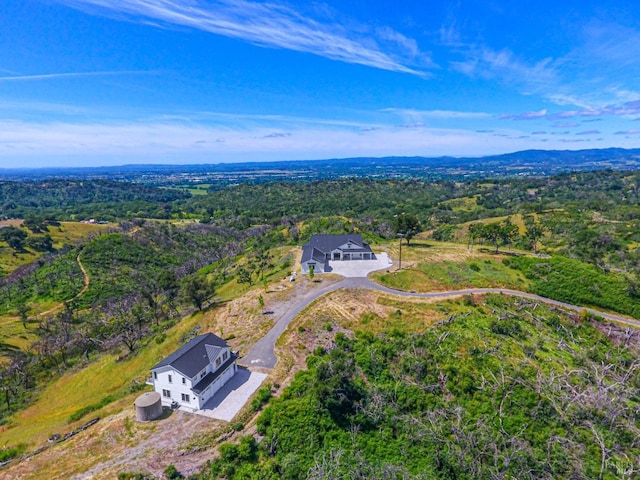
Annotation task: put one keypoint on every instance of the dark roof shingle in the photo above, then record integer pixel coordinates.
(326, 242)
(193, 356)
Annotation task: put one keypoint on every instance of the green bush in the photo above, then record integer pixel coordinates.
(172, 473)
(262, 396)
(576, 282)
(78, 414)
(12, 452)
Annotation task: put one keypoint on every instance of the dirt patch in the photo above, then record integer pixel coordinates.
(119, 443)
(242, 322)
(346, 311)
(15, 222)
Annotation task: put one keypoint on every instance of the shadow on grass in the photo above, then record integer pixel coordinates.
(417, 245)
(492, 251)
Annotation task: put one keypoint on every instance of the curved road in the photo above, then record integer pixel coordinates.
(262, 353)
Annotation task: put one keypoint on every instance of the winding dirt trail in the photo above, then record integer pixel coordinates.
(85, 287)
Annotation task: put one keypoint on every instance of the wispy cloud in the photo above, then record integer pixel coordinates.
(597, 70)
(627, 108)
(565, 124)
(610, 43)
(524, 116)
(57, 76)
(277, 135)
(629, 132)
(589, 132)
(121, 142)
(439, 114)
(273, 25)
(528, 77)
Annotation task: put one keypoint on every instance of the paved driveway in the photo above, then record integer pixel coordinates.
(262, 354)
(228, 401)
(360, 268)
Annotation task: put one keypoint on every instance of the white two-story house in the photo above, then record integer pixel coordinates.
(195, 372)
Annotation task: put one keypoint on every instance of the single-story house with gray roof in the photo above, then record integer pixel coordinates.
(195, 372)
(322, 249)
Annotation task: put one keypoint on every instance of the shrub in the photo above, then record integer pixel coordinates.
(172, 473)
(78, 414)
(262, 396)
(507, 326)
(12, 452)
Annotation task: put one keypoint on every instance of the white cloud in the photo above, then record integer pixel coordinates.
(56, 76)
(529, 77)
(599, 69)
(38, 144)
(411, 114)
(627, 109)
(271, 25)
(525, 115)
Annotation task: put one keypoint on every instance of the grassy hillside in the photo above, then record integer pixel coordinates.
(431, 266)
(66, 233)
(502, 389)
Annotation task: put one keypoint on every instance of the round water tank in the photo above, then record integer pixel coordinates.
(148, 406)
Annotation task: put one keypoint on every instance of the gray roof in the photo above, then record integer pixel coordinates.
(312, 253)
(192, 357)
(326, 243)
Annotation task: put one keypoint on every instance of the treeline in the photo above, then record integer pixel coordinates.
(362, 199)
(506, 390)
(79, 199)
(606, 191)
(613, 193)
(141, 279)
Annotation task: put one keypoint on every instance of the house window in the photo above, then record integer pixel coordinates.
(225, 355)
(185, 398)
(184, 381)
(203, 372)
(218, 362)
(155, 375)
(166, 393)
(170, 381)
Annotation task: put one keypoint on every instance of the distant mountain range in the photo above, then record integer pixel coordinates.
(527, 162)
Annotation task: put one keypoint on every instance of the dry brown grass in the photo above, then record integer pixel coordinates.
(347, 311)
(119, 443)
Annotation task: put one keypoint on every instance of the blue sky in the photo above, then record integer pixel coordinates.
(107, 82)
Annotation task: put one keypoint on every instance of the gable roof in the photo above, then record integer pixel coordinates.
(195, 355)
(211, 377)
(326, 243)
(312, 253)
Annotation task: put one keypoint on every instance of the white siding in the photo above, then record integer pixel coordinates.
(178, 388)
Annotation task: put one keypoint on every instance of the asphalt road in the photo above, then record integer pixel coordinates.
(262, 354)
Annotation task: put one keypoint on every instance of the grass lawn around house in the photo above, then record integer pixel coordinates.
(107, 376)
(437, 266)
